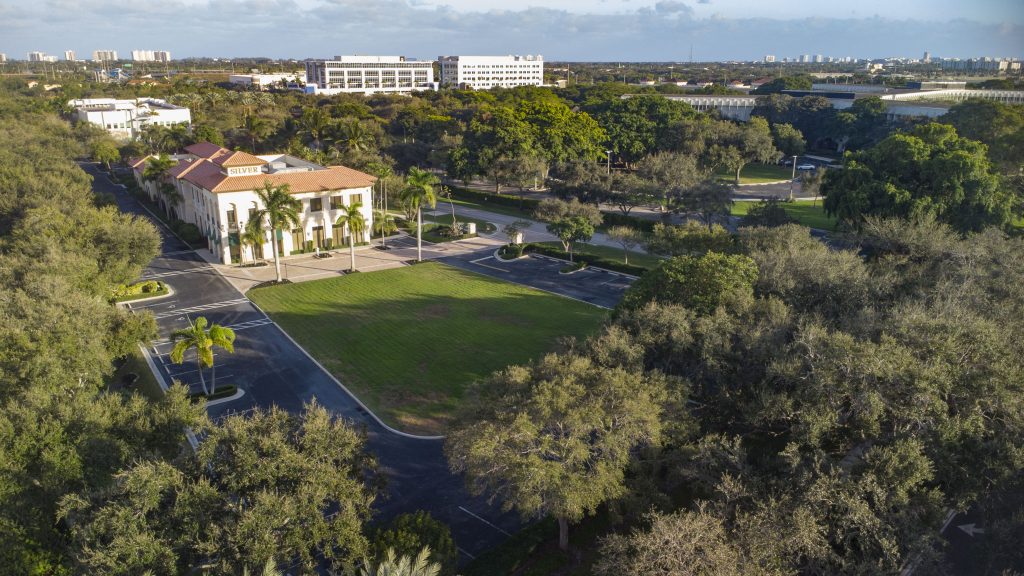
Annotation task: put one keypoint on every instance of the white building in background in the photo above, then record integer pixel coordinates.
(368, 75)
(770, 58)
(263, 81)
(217, 195)
(41, 57)
(104, 55)
(484, 72)
(3, 58)
(69, 55)
(151, 56)
(125, 118)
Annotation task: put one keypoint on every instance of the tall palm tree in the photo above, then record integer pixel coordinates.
(156, 171)
(352, 217)
(203, 340)
(280, 211)
(251, 236)
(383, 224)
(419, 190)
(392, 565)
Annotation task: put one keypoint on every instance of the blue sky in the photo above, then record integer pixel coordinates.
(609, 30)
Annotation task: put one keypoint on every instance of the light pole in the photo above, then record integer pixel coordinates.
(609, 153)
(792, 180)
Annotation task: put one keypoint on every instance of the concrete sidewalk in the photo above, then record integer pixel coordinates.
(305, 267)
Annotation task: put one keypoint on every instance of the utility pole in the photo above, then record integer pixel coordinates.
(792, 180)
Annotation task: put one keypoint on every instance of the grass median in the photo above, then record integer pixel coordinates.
(408, 341)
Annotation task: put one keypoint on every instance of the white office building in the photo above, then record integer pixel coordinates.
(770, 58)
(69, 55)
(264, 81)
(217, 194)
(104, 55)
(3, 58)
(484, 72)
(368, 75)
(125, 118)
(151, 56)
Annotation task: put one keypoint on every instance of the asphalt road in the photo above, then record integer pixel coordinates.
(272, 370)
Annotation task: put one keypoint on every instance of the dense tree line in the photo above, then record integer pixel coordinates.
(820, 408)
(95, 479)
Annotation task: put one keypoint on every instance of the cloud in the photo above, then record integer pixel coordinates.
(662, 31)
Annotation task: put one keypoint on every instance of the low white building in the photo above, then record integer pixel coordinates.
(151, 56)
(368, 75)
(104, 55)
(264, 81)
(125, 118)
(216, 188)
(485, 72)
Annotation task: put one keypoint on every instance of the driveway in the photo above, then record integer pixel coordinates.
(273, 370)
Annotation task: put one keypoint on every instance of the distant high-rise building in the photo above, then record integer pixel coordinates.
(36, 56)
(104, 55)
(3, 58)
(927, 57)
(768, 59)
(69, 55)
(818, 58)
(805, 58)
(151, 56)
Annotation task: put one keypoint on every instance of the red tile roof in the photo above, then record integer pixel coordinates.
(229, 159)
(204, 149)
(208, 175)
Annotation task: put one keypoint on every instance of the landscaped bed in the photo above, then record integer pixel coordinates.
(408, 341)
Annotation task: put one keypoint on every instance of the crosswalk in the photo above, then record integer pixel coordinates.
(158, 275)
(201, 308)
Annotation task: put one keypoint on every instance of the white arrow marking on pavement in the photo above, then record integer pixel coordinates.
(971, 530)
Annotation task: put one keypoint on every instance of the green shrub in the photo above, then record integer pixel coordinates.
(510, 251)
(767, 213)
(587, 259)
(189, 233)
(620, 219)
(127, 292)
(409, 533)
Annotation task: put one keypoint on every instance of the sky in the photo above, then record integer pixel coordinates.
(576, 30)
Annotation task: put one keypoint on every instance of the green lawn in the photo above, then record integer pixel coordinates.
(757, 173)
(489, 207)
(641, 259)
(807, 212)
(408, 341)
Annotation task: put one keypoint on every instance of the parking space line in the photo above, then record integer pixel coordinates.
(498, 528)
(477, 262)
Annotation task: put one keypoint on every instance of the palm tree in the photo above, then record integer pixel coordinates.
(383, 224)
(280, 210)
(252, 236)
(257, 128)
(391, 565)
(352, 216)
(203, 340)
(419, 190)
(352, 136)
(156, 171)
(313, 122)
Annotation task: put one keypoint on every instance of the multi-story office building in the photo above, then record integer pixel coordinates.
(69, 55)
(264, 81)
(217, 190)
(368, 75)
(3, 58)
(41, 57)
(151, 56)
(981, 64)
(770, 58)
(104, 55)
(818, 58)
(805, 58)
(484, 72)
(125, 118)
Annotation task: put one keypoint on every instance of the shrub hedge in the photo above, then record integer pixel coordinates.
(587, 259)
(525, 204)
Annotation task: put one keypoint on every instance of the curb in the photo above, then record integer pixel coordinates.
(767, 183)
(189, 434)
(589, 267)
(127, 304)
(238, 394)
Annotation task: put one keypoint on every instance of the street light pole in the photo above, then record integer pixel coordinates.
(792, 180)
(609, 153)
